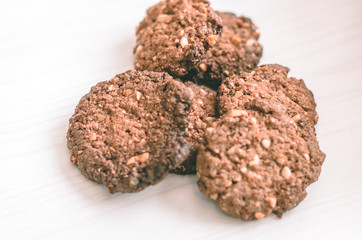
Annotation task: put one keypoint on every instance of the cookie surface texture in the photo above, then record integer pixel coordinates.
(269, 82)
(202, 111)
(237, 50)
(252, 167)
(175, 35)
(267, 91)
(127, 133)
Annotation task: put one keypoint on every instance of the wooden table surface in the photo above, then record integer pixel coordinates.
(52, 52)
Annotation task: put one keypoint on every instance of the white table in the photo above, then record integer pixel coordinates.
(52, 52)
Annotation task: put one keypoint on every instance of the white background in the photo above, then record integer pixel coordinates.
(52, 52)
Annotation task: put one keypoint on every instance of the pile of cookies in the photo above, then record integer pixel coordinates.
(198, 103)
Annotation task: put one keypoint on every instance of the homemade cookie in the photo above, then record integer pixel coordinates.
(127, 133)
(202, 111)
(254, 166)
(267, 92)
(175, 35)
(237, 50)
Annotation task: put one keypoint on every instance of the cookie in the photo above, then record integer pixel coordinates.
(202, 111)
(269, 82)
(254, 166)
(237, 50)
(268, 92)
(128, 132)
(175, 35)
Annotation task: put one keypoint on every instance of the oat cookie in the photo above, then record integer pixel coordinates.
(237, 50)
(268, 92)
(254, 166)
(175, 35)
(127, 133)
(202, 111)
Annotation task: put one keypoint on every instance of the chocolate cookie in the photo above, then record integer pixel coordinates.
(237, 50)
(269, 82)
(268, 92)
(254, 166)
(127, 133)
(202, 111)
(175, 35)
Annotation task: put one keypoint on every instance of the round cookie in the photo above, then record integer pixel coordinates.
(128, 132)
(237, 50)
(271, 110)
(175, 35)
(254, 167)
(202, 111)
(265, 93)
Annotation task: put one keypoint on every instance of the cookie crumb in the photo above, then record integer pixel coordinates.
(235, 40)
(253, 120)
(164, 18)
(236, 113)
(239, 94)
(259, 215)
(272, 201)
(250, 42)
(306, 156)
(93, 137)
(138, 95)
(297, 118)
(184, 42)
(266, 143)
(131, 161)
(211, 40)
(281, 159)
(286, 173)
(255, 161)
(253, 175)
(139, 158)
(214, 196)
(138, 49)
(316, 118)
(143, 157)
(203, 67)
(73, 159)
